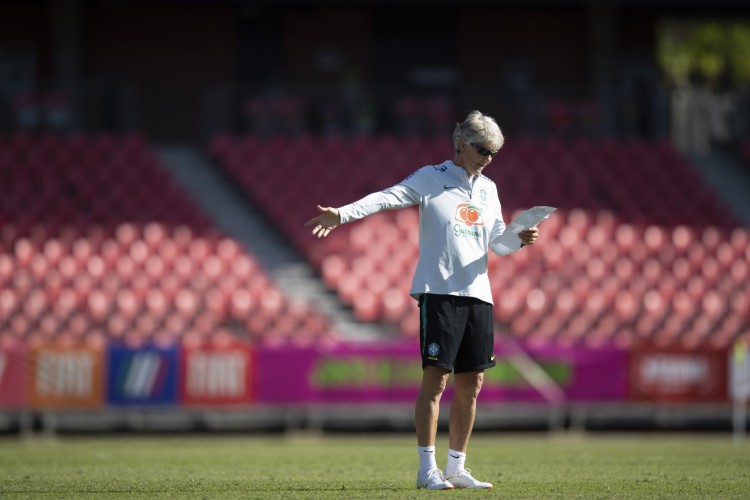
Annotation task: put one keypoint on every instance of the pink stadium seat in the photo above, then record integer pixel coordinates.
(740, 239)
(204, 325)
(349, 286)
(710, 271)
(507, 304)
(185, 304)
(96, 338)
(570, 238)
(652, 271)
(272, 302)
(241, 304)
(710, 238)
(20, 326)
(536, 302)
(156, 304)
(366, 306)
(682, 238)
(99, 305)
(555, 255)
(8, 302)
(595, 305)
(596, 269)
(154, 234)
(395, 304)
(6, 268)
(597, 237)
(624, 269)
(212, 267)
(176, 325)
(216, 303)
(725, 255)
(228, 250)
(199, 249)
(377, 283)
(333, 268)
(24, 250)
(626, 306)
(740, 271)
(655, 237)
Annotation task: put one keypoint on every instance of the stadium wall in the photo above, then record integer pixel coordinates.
(239, 386)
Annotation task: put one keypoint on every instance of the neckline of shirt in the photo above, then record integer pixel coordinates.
(462, 175)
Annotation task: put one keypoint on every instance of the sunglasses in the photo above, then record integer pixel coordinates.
(482, 150)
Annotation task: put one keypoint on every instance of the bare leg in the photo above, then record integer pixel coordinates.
(427, 409)
(464, 409)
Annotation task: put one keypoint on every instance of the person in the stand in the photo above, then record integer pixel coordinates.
(460, 221)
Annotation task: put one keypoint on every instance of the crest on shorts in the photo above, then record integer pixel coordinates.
(433, 349)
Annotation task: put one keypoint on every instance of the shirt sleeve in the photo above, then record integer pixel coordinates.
(398, 196)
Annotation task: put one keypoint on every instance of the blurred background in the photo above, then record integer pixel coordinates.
(158, 160)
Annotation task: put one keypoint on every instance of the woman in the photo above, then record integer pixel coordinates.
(460, 221)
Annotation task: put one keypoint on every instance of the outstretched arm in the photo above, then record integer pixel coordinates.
(326, 222)
(398, 196)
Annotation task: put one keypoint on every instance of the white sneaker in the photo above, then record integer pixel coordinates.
(432, 479)
(463, 479)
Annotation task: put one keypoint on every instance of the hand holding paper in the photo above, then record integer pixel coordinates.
(525, 220)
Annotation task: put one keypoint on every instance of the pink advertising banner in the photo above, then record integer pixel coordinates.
(392, 372)
(12, 376)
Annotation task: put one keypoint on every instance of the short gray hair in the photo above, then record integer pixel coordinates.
(478, 128)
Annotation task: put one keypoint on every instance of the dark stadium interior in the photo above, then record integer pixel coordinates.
(158, 160)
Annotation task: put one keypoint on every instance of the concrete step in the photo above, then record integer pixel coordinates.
(729, 179)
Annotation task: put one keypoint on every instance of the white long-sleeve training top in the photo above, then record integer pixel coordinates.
(459, 219)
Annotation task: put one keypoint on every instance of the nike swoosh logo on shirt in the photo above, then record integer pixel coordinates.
(446, 187)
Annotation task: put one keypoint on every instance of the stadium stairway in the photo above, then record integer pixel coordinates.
(234, 215)
(729, 179)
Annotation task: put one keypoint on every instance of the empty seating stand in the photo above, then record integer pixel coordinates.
(97, 244)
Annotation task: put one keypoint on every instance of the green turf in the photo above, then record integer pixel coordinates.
(347, 467)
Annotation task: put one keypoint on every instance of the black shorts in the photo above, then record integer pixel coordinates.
(456, 333)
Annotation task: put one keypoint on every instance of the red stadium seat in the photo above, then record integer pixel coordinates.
(272, 302)
(367, 306)
(333, 268)
(626, 306)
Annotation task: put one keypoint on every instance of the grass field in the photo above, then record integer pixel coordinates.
(376, 466)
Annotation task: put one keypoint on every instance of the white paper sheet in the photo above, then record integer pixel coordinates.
(525, 220)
